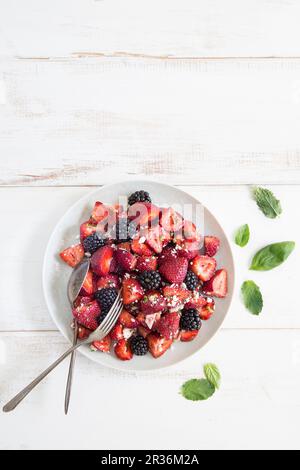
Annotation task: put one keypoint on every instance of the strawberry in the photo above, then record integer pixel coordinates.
(155, 239)
(132, 290)
(124, 246)
(148, 321)
(207, 310)
(186, 336)
(87, 314)
(146, 263)
(110, 280)
(123, 350)
(101, 212)
(174, 269)
(168, 325)
(204, 267)
(217, 286)
(211, 245)
(127, 320)
(175, 296)
(143, 331)
(82, 300)
(143, 213)
(125, 259)
(87, 229)
(189, 249)
(117, 332)
(101, 260)
(153, 302)
(83, 333)
(88, 285)
(158, 345)
(139, 247)
(72, 255)
(171, 220)
(103, 345)
(197, 301)
(168, 252)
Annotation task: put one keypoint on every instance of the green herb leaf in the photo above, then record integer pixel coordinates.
(252, 297)
(213, 375)
(197, 389)
(267, 202)
(242, 235)
(272, 256)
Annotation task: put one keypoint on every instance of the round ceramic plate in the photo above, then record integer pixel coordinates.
(56, 273)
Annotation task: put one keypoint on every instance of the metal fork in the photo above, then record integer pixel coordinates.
(102, 331)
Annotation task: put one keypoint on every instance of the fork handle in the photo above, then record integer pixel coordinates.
(12, 404)
(71, 370)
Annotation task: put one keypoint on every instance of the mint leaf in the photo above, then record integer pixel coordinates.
(242, 235)
(252, 297)
(213, 375)
(197, 389)
(267, 202)
(272, 256)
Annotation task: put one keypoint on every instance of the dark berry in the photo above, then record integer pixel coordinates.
(93, 242)
(101, 318)
(191, 281)
(139, 196)
(124, 231)
(190, 320)
(139, 345)
(105, 298)
(150, 280)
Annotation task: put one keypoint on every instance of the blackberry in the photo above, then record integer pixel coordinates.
(101, 318)
(191, 281)
(124, 231)
(139, 196)
(190, 320)
(105, 298)
(93, 242)
(150, 280)
(139, 345)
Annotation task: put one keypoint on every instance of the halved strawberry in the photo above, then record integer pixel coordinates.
(204, 267)
(110, 280)
(72, 255)
(171, 220)
(217, 286)
(125, 259)
(87, 314)
(189, 231)
(174, 269)
(158, 345)
(189, 249)
(176, 296)
(186, 336)
(211, 245)
(88, 285)
(148, 321)
(117, 332)
(139, 246)
(82, 300)
(103, 345)
(123, 350)
(153, 302)
(127, 320)
(207, 310)
(87, 229)
(83, 333)
(132, 290)
(168, 325)
(101, 212)
(146, 263)
(101, 260)
(143, 213)
(155, 239)
(196, 300)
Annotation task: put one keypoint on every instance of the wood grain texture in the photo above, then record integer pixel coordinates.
(260, 390)
(38, 209)
(79, 121)
(193, 28)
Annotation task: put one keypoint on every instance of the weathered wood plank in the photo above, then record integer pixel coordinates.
(135, 28)
(36, 211)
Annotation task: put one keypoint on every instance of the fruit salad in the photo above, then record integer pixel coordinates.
(164, 266)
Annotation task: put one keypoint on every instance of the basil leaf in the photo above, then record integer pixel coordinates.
(197, 389)
(272, 256)
(212, 374)
(242, 235)
(267, 202)
(252, 297)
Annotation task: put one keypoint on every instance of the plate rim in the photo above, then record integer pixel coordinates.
(45, 266)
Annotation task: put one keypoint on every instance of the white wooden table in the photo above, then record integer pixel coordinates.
(199, 93)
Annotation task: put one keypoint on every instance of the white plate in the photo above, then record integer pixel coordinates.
(56, 273)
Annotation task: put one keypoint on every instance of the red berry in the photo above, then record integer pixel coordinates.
(204, 267)
(87, 314)
(168, 325)
(211, 245)
(217, 286)
(103, 345)
(158, 345)
(123, 350)
(132, 290)
(101, 260)
(174, 269)
(72, 255)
